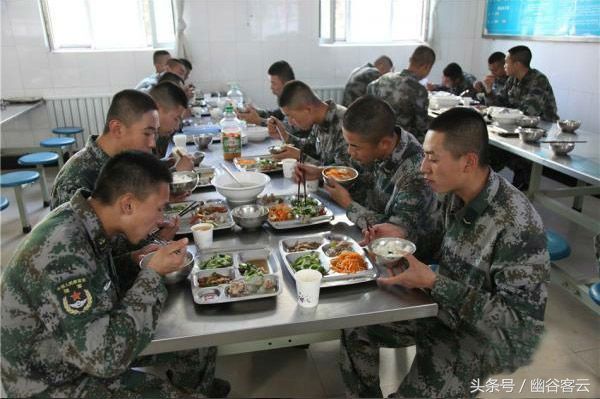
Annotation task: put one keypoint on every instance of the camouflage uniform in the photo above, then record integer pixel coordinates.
(358, 82)
(80, 171)
(162, 144)
(533, 95)
(148, 83)
(70, 327)
(466, 83)
(491, 293)
(325, 145)
(408, 99)
(393, 190)
(499, 84)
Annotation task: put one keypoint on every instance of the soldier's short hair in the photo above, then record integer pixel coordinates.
(175, 61)
(169, 95)
(465, 131)
(453, 71)
(186, 63)
(370, 117)
(384, 59)
(170, 77)
(423, 55)
(128, 106)
(282, 70)
(296, 93)
(159, 53)
(498, 56)
(521, 54)
(133, 172)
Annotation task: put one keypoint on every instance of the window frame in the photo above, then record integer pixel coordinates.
(333, 41)
(155, 45)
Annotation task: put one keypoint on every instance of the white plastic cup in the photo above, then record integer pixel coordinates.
(288, 164)
(203, 235)
(180, 140)
(312, 185)
(308, 285)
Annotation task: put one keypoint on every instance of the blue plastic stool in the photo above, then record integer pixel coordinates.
(59, 143)
(39, 159)
(558, 247)
(17, 180)
(3, 203)
(595, 292)
(70, 131)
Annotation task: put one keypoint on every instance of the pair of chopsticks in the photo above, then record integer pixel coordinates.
(181, 213)
(301, 161)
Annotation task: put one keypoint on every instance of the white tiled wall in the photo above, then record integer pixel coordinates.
(237, 40)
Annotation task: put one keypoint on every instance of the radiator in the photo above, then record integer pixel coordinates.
(334, 93)
(88, 112)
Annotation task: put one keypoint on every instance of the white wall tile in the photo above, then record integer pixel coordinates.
(196, 18)
(11, 71)
(248, 21)
(35, 67)
(120, 72)
(93, 70)
(221, 20)
(65, 69)
(223, 61)
(248, 61)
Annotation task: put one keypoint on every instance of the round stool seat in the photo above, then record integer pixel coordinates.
(38, 158)
(558, 247)
(67, 130)
(57, 142)
(3, 203)
(13, 179)
(595, 292)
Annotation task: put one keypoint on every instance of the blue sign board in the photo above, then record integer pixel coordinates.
(559, 19)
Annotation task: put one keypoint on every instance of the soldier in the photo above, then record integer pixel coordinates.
(455, 81)
(491, 285)
(405, 94)
(71, 325)
(526, 89)
(530, 91)
(362, 76)
(390, 186)
(159, 58)
(494, 82)
(172, 103)
(306, 111)
(280, 73)
(132, 123)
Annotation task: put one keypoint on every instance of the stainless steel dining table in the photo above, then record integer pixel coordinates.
(277, 321)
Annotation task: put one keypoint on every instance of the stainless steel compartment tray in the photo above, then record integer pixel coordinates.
(222, 293)
(331, 279)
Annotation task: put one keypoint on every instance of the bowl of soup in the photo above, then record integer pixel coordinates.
(342, 174)
(252, 184)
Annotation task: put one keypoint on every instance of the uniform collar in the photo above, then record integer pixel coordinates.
(94, 149)
(467, 215)
(329, 115)
(406, 72)
(89, 219)
(404, 149)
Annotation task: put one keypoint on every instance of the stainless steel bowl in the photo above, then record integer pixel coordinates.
(389, 250)
(184, 181)
(202, 141)
(530, 134)
(276, 149)
(250, 216)
(198, 157)
(176, 276)
(562, 148)
(529, 121)
(569, 125)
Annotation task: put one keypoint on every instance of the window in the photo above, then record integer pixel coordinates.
(367, 21)
(108, 24)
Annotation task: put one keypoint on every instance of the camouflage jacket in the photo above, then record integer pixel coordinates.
(393, 190)
(80, 171)
(407, 97)
(325, 145)
(148, 83)
(533, 95)
(64, 313)
(493, 272)
(358, 82)
(466, 83)
(499, 84)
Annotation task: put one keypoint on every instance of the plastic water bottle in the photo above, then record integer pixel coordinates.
(236, 96)
(231, 134)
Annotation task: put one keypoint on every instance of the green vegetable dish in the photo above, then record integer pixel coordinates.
(309, 261)
(250, 270)
(217, 261)
(310, 208)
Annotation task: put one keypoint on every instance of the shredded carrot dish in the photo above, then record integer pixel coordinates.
(280, 213)
(246, 162)
(339, 173)
(348, 262)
